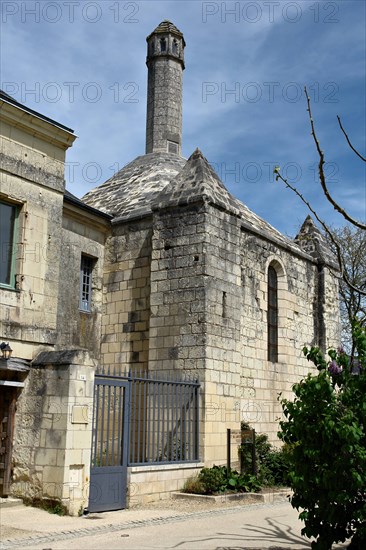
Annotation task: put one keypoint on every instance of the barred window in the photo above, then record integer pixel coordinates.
(86, 270)
(272, 320)
(8, 228)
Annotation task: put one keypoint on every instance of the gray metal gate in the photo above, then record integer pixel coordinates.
(139, 418)
(108, 473)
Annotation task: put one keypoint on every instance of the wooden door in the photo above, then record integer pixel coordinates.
(7, 412)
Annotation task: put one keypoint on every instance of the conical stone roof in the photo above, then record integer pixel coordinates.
(130, 192)
(197, 181)
(313, 242)
(161, 180)
(166, 27)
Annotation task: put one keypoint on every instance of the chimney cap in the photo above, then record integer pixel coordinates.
(166, 27)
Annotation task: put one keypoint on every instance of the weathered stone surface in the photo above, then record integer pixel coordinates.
(179, 282)
(129, 193)
(311, 240)
(165, 61)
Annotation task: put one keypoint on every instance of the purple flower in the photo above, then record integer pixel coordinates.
(334, 369)
(341, 350)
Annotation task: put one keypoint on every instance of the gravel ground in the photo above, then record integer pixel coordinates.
(188, 506)
(181, 505)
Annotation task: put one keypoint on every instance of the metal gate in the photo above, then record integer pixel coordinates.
(108, 473)
(139, 418)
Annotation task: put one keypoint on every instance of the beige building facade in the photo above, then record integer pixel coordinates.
(159, 272)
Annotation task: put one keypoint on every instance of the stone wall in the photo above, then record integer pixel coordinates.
(126, 296)
(331, 309)
(177, 325)
(241, 384)
(151, 483)
(32, 177)
(53, 430)
(164, 105)
(81, 234)
(209, 316)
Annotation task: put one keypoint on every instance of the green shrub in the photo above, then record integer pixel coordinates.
(218, 480)
(275, 468)
(326, 426)
(271, 464)
(243, 483)
(214, 480)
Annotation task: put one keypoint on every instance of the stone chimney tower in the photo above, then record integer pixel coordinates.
(165, 62)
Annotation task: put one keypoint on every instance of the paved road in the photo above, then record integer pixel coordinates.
(261, 526)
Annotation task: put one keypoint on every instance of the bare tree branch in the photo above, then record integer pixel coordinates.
(328, 232)
(352, 242)
(348, 140)
(335, 205)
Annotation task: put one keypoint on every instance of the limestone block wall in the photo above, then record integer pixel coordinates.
(53, 430)
(151, 483)
(207, 313)
(178, 317)
(80, 235)
(224, 351)
(126, 296)
(297, 325)
(331, 309)
(240, 383)
(164, 105)
(209, 303)
(32, 178)
(32, 153)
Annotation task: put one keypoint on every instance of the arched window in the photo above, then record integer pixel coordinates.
(175, 47)
(272, 318)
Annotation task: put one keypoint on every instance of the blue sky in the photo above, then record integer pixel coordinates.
(83, 64)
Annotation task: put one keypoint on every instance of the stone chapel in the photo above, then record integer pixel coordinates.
(159, 270)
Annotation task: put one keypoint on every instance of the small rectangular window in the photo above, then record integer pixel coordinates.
(86, 271)
(8, 229)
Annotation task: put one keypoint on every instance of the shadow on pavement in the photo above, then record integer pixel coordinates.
(277, 533)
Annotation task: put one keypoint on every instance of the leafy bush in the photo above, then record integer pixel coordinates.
(274, 467)
(214, 480)
(243, 483)
(218, 480)
(326, 426)
(271, 463)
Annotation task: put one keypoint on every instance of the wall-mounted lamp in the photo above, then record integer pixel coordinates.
(6, 350)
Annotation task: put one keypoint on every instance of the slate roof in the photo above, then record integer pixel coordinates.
(130, 192)
(166, 27)
(72, 199)
(159, 180)
(197, 181)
